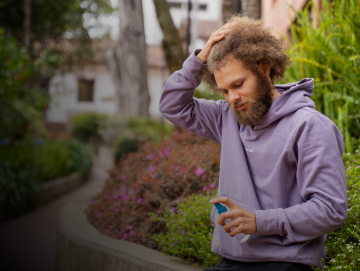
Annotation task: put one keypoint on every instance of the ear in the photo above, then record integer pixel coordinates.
(265, 69)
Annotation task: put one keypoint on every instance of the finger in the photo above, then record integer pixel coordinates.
(228, 202)
(220, 32)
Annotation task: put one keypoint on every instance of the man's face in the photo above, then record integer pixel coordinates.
(249, 95)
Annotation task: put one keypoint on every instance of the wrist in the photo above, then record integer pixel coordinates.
(201, 58)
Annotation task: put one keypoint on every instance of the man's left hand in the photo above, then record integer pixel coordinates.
(242, 220)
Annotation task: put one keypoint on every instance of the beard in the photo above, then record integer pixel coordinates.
(259, 106)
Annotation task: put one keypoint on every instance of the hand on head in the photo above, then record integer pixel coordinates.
(215, 37)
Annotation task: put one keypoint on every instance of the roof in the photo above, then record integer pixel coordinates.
(154, 53)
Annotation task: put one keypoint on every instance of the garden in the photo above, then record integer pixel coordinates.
(158, 194)
(28, 158)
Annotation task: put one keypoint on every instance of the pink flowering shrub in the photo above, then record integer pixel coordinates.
(150, 180)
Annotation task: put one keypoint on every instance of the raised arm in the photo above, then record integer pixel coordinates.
(177, 101)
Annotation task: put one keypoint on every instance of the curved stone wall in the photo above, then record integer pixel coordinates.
(81, 247)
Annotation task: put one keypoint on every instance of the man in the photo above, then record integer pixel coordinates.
(281, 172)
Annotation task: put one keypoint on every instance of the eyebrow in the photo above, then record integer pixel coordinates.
(240, 78)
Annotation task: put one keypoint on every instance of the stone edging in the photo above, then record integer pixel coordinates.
(59, 186)
(81, 247)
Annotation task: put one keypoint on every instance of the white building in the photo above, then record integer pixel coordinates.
(91, 89)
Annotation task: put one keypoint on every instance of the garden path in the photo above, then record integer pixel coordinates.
(28, 242)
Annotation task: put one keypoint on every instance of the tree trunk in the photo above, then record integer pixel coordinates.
(227, 10)
(27, 23)
(127, 61)
(171, 45)
(251, 9)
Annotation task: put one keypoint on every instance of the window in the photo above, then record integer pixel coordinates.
(86, 90)
(202, 7)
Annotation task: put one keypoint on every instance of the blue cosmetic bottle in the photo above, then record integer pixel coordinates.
(240, 236)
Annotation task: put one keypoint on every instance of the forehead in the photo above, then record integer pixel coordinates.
(232, 70)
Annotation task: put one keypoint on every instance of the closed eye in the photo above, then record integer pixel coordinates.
(238, 85)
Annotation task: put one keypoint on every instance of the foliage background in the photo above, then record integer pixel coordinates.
(331, 55)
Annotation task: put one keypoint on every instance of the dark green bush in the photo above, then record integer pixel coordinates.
(45, 160)
(190, 231)
(24, 167)
(80, 158)
(125, 146)
(18, 188)
(85, 126)
(22, 100)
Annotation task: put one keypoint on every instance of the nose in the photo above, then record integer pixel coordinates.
(234, 97)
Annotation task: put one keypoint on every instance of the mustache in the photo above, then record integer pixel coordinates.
(240, 103)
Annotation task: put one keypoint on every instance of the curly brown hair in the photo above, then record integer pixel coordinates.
(250, 42)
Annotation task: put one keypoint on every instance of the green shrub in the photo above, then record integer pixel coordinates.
(45, 160)
(18, 188)
(22, 100)
(330, 54)
(190, 231)
(80, 158)
(85, 126)
(24, 167)
(125, 146)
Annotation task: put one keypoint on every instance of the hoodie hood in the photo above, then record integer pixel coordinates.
(292, 97)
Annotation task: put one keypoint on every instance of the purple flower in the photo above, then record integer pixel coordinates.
(115, 197)
(151, 168)
(209, 242)
(124, 197)
(152, 175)
(212, 185)
(197, 214)
(129, 227)
(117, 210)
(98, 215)
(204, 188)
(167, 151)
(199, 171)
(176, 168)
(150, 156)
(161, 154)
(172, 209)
(124, 236)
(122, 189)
(131, 191)
(109, 198)
(132, 233)
(140, 200)
(123, 178)
(93, 201)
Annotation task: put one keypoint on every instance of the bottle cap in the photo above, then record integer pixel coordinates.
(220, 208)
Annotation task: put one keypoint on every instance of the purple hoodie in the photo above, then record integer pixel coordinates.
(287, 170)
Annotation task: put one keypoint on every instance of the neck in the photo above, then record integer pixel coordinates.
(275, 94)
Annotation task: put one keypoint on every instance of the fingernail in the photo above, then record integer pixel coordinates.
(211, 201)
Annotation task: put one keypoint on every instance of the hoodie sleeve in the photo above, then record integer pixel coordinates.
(321, 182)
(178, 104)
